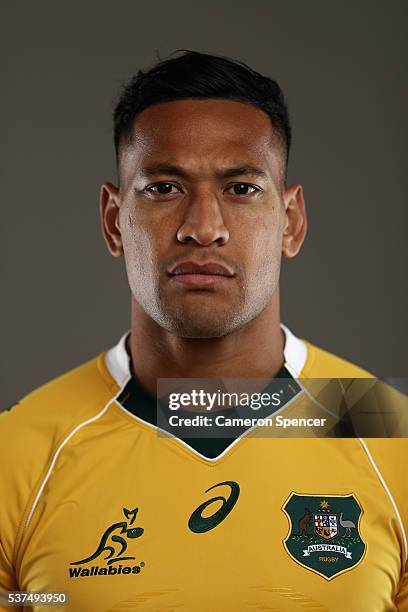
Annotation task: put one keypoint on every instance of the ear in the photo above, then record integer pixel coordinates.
(109, 206)
(295, 227)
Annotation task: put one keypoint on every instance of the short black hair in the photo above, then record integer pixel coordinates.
(200, 75)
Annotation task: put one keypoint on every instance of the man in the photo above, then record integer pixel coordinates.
(94, 502)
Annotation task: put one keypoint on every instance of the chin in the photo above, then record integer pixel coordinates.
(200, 320)
(199, 327)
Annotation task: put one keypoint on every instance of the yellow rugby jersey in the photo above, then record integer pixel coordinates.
(94, 503)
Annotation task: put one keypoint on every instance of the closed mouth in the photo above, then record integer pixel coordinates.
(207, 269)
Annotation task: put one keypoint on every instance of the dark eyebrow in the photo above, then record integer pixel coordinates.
(238, 170)
(174, 170)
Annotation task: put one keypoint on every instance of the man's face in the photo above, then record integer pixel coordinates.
(201, 185)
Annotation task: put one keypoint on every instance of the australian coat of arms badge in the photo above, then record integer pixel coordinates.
(324, 532)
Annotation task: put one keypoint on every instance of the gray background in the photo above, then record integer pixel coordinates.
(343, 67)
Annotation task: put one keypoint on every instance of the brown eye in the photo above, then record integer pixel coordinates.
(243, 189)
(162, 188)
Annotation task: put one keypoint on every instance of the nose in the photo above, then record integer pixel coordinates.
(203, 221)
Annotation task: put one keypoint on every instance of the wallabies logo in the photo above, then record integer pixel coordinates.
(113, 543)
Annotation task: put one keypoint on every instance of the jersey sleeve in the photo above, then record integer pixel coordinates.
(390, 457)
(401, 600)
(7, 576)
(8, 580)
(25, 448)
(30, 434)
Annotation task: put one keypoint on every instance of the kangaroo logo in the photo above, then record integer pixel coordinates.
(109, 542)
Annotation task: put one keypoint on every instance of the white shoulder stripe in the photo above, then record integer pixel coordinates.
(59, 449)
(394, 505)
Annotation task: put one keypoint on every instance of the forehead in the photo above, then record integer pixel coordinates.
(202, 136)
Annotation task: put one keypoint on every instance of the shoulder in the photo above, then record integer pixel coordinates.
(33, 429)
(389, 460)
(43, 417)
(322, 364)
(385, 413)
(62, 401)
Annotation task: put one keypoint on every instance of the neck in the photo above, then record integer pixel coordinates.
(255, 350)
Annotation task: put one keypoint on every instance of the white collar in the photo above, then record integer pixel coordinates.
(117, 358)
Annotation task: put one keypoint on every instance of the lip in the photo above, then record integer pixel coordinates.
(210, 268)
(200, 275)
